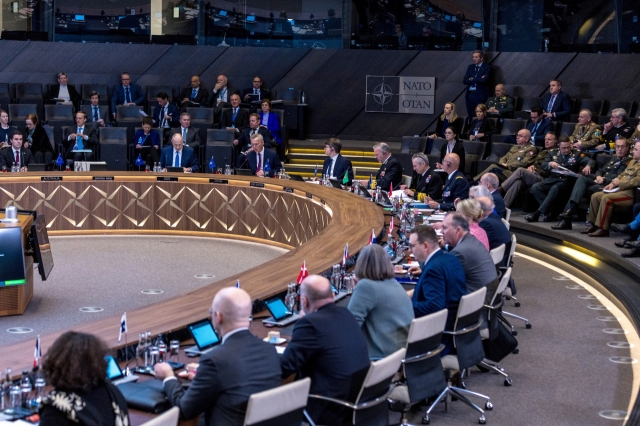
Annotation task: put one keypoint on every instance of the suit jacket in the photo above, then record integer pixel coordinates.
(561, 106)
(456, 125)
(202, 97)
(497, 232)
(39, 140)
(7, 159)
(227, 376)
(455, 187)
(341, 167)
(458, 148)
(241, 122)
(54, 89)
(390, 173)
(269, 155)
(441, 285)
(478, 79)
(172, 110)
(430, 183)
(544, 126)
(486, 128)
(334, 357)
(477, 263)
(213, 97)
(155, 140)
(193, 136)
(187, 158)
(244, 139)
(273, 124)
(89, 130)
(103, 112)
(498, 203)
(117, 98)
(264, 93)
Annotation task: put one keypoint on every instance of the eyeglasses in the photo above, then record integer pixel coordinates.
(211, 311)
(126, 79)
(257, 81)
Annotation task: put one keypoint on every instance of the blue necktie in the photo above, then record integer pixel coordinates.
(177, 163)
(235, 114)
(193, 93)
(127, 95)
(96, 117)
(80, 140)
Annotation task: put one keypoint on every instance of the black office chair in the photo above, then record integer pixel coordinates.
(510, 126)
(498, 150)
(413, 144)
(626, 105)
(593, 105)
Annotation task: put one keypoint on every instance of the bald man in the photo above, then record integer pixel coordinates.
(194, 96)
(328, 346)
(455, 187)
(227, 376)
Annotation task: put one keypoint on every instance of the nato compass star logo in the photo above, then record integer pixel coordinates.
(382, 94)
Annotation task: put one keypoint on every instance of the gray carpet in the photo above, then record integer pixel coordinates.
(111, 271)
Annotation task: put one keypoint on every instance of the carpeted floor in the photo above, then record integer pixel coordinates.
(90, 272)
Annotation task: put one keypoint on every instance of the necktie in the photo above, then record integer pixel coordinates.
(164, 119)
(253, 132)
(177, 162)
(235, 114)
(184, 135)
(80, 139)
(17, 158)
(333, 163)
(255, 92)
(127, 95)
(477, 68)
(194, 92)
(95, 114)
(551, 101)
(259, 162)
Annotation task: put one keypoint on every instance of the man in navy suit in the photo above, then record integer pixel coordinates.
(165, 115)
(538, 127)
(84, 135)
(194, 96)
(258, 156)
(328, 346)
(179, 155)
(230, 373)
(336, 166)
(476, 79)
(256, 90)
(442, 281)
(15, 153)
(556, 103)
(491, 181)
(456, 186)
(126, 93)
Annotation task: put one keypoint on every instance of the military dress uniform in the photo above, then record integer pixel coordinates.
(518, 156)
(588, 135)
(503, 104)
(428, 183)
(456, 186)
(547, 191)
(523, 177)
(609, 139)
(602, 204)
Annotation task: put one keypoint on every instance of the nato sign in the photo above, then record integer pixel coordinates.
(406, 95)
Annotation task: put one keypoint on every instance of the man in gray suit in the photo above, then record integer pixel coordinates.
(227, 376)
(190, 135)
(479, 269)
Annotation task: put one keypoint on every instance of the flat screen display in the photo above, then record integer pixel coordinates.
(12, 270)
(277, 308)
(113, 369)
(203, 334)
(41, 246)
(251, 18)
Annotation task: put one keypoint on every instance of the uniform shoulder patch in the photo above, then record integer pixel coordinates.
(460, 177)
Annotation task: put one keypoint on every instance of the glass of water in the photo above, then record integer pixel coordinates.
(154, 353)
(174, 350)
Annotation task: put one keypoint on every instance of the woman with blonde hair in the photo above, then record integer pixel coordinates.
(449, 118)
(472, 210)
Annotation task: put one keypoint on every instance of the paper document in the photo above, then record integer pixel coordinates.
(611, 190)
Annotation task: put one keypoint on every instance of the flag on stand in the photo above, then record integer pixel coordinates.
(123, 326)
(370, 182)
(212, 164)
(345, 178)
(372, 238)
(391, 225)
(238, 283)
(390, 189)
(345, 255)
(303, 272)
(37, 352)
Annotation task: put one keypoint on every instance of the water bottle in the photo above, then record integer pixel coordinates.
(303, 98)
(162, 348)
(67, 169)
(140, 142)
(25, 389)
(4, 169)
(147, 347)
(14, 167)
(140, 350)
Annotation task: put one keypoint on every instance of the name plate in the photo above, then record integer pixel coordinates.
(166, 179)
(256, 184)
(219, 181)
(287, 189)
(309, 195)
(50, 178)
(103, 178)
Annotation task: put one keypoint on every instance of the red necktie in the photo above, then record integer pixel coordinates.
(17, 158)
(259, 163)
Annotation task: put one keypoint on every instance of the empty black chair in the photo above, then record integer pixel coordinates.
(113, 147)
(528, 103)
(102, 89)
(593, 105)
(510, 126)
(412, 144)
(5, 96)
(474, 151)
(567, 129)
(220, 147)
(627, 106)
(18, 112)
(30, 93)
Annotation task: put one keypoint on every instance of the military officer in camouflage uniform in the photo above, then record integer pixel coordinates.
(603, 203)
(547, 191)
(587, 134)
(616, 127)
(499, 105)
(589, 185)
(522, 154)
(527, 177)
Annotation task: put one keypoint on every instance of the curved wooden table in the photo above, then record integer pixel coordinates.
(314, 222)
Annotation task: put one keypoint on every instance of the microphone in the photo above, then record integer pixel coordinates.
(246, 157)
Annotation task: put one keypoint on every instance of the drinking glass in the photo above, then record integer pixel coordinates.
(174, 350)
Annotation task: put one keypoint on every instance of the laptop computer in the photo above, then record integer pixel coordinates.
(244, 172)
(115, 374)
(365, 191)
(280, 315)
(296, 177)
(205, 337)
(36, 167)
(335, 183)
(175, 169)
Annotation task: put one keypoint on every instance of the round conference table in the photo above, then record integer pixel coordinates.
(312, 221)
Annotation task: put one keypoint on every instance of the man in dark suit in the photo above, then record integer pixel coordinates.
(195, 96)
(96, 113)
(242, 142)
(221, 93)
(442, 282)
(257, 157)
(456, 186)
(491, 181)
(165, 115)
(81, 136)
(235, 118)
(556, 103)
(190, 135)
(336, 166)
(63, 93)
(424, 181)
(227, 376)
(328, 346)
(389, 176)
(476, 80)
(15, 153)
(126, 93)
(538, 127)
(497, 232)
(178, 155)
(256, 92)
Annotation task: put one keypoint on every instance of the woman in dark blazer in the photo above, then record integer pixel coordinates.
(453, 145)
(147, 143)
(449, 118)
(37, 141)
(481, 127)
(76, 368)
(270, 120)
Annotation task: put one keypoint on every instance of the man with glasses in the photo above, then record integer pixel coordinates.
(616, 127)
(126, 93)
(456, 186)
(230, 373)
(590, 183)
(538, 126)
(194, 96)
(255, 93)
(424, 181)
(586, 134)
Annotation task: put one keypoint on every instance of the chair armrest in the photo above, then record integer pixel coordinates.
(423, 356)
(464, 330)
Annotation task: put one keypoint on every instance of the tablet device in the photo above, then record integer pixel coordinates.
(296, 177)
(244, 172)
(115, 374)
(204, 335)
(335, 183)
(280, 315)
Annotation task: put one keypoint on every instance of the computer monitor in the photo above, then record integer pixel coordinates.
(251, 19)
(79, 18)
(477, 25)
(41, 247)
(12, 268)
(447, 17)
(222, 13)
